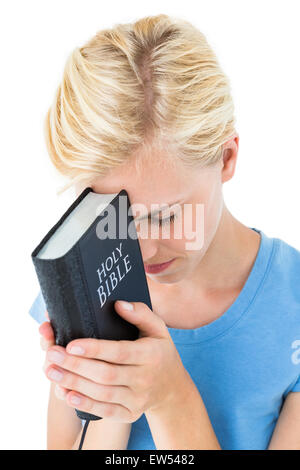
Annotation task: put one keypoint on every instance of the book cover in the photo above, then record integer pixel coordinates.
(94, 268)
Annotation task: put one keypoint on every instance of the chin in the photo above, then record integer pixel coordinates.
(166, 278)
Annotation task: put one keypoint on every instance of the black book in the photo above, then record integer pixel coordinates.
(89, 259)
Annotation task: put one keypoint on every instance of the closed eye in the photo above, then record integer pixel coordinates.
(166, 220)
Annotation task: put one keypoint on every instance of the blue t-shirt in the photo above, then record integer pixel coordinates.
(246, 361)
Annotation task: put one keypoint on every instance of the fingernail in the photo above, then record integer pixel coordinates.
(55, 356)
(75, 400)
(55, 375)
(126, 305)
(77, 350)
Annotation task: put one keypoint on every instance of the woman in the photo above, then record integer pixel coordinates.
(146, 107)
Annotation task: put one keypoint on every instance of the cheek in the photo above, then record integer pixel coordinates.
(191, 225)
(199, 223)
(175, 246)
(184, 231)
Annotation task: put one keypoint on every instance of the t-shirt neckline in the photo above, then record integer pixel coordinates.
(241, 304)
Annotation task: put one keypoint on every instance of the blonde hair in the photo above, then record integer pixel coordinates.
(152, 83)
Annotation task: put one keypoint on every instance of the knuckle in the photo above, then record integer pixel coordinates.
(71, 381)
(89, 406)
(73, 362)
(140, 383)
(109, 410)
(94, 348)
(147, 351)
(122, 354)
(104, 393)
(108, 394)
(108, 373)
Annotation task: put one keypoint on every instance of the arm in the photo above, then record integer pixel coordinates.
(64, 429)
(184, 423)
(123, 379)
(63, 425)
(286, 435)
(105, 435)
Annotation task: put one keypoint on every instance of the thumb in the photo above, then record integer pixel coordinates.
(140, 315)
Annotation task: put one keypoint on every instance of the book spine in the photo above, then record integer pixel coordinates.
(85, 307)
(55, 279)
(85, 304)
(65, 296)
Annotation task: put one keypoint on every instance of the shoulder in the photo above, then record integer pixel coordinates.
(286, 263)
(280, 290)
(278, 309)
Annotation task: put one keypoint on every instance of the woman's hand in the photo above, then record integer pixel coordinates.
(47, 340)
(120, 380)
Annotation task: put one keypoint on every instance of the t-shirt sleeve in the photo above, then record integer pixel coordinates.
(38, 309)
(296, 387)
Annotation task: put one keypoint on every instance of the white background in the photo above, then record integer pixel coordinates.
(257, 44)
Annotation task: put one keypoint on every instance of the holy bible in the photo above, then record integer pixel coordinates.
(89, 259)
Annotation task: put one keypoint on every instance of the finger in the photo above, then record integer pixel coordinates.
(46, 364)
(140, 315)
(60, 392)
(46, 331)
(45, 344)
(113, 411)
(99, 392)
(92, 369)
(118, 352)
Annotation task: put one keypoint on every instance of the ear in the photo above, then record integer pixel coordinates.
(230, 153)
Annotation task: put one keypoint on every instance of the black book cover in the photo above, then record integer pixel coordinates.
(80, 287)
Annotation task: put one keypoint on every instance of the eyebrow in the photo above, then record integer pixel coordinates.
(148, 216)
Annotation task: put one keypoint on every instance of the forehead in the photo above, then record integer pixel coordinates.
(157, 178)
(148, 179)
